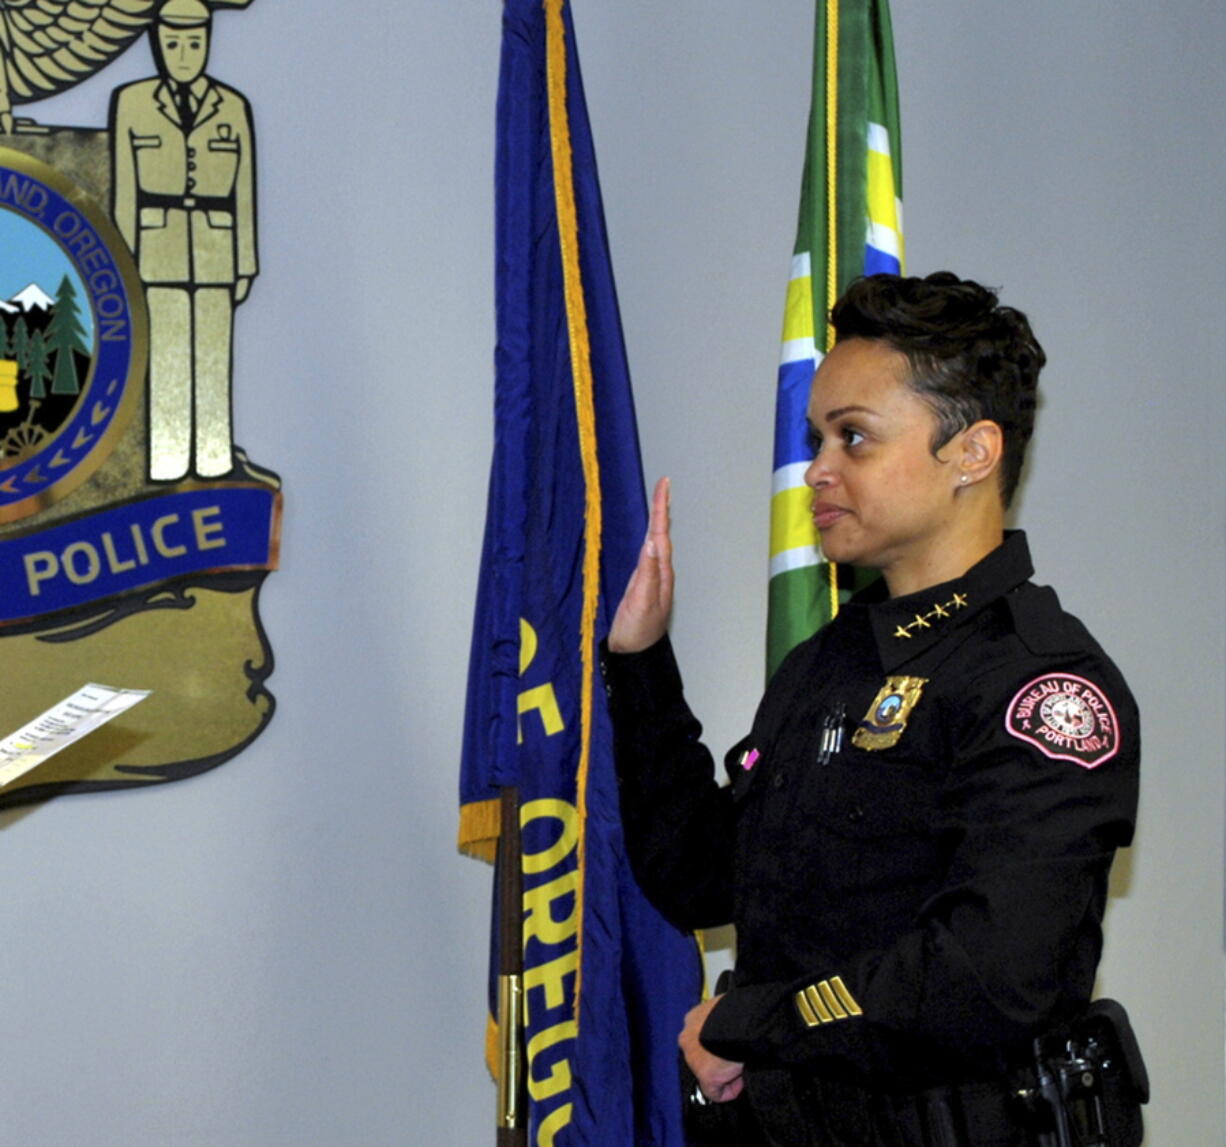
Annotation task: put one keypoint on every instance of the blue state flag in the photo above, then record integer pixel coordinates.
(606, 980)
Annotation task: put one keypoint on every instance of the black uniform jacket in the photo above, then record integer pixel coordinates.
(915, 840)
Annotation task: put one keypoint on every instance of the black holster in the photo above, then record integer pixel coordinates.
(1087, 1082)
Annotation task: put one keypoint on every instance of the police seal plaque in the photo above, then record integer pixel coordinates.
(134, 534)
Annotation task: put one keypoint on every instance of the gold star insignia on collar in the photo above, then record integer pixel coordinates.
(922, 620)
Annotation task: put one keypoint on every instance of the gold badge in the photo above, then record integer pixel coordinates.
(887, 716)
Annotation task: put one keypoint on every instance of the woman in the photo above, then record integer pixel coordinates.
(916, 837)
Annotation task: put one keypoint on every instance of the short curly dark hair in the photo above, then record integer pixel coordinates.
(970, 358)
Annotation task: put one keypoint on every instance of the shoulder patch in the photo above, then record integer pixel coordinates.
(1066, 718)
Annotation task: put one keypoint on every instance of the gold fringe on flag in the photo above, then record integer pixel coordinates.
(478, 835)
(832, 214)
(581, 372)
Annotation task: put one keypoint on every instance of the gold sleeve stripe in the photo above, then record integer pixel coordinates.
(849, 1001)
(806, 1013)
(826, 1002)
(836, 1008)
(818, 1004)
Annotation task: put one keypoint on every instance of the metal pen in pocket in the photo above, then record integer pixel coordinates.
(830, 741)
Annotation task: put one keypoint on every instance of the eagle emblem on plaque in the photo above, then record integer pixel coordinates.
(134, 534)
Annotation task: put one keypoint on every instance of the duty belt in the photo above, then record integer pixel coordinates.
(185, 202)
(811, 1110)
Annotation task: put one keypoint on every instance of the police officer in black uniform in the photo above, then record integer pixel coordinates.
(915, 840)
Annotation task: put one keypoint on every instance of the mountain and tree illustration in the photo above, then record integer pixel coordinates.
(43, 343)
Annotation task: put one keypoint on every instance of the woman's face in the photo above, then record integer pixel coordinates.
(880, 498)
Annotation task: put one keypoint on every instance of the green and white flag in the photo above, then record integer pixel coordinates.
(850, 224)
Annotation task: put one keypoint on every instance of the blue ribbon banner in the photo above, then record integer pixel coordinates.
(128, 547)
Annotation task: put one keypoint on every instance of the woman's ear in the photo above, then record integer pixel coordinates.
(982, 447)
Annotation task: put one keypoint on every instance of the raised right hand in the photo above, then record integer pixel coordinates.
(642, 617)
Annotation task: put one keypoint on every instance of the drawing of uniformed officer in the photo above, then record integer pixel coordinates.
(184, 200)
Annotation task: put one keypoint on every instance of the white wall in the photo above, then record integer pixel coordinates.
(288, 950)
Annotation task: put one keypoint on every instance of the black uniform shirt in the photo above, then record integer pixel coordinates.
(915, 840)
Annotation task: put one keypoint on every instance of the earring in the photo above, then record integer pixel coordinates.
(964, 479)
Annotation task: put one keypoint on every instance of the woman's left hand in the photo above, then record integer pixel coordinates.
(642, 617)
(719, 1079)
